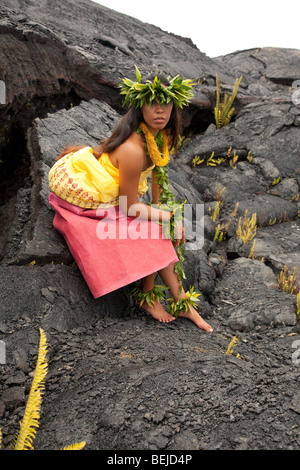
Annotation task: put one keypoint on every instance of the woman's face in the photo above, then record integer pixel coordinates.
(157, 116)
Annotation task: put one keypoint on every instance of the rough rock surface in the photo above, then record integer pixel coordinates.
(117, 379)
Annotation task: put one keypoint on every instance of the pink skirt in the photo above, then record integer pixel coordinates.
(111, 249)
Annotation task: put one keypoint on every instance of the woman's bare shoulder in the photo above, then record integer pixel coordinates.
(131, 152)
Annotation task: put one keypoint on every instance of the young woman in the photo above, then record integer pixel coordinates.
(114, 238)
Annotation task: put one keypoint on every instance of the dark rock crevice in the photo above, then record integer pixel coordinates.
(18, 178)
(15, 162)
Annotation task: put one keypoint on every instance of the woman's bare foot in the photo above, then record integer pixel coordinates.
(194, 316)
(158, 312)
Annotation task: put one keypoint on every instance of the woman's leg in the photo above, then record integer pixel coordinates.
(170, 279)
(148, 282)
(157, 311)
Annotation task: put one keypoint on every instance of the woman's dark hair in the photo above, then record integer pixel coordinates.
(128, 124)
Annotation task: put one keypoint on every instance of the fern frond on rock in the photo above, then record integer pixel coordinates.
(30, 422)
(32, 412)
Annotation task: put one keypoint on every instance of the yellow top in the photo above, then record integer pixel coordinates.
(82, 180)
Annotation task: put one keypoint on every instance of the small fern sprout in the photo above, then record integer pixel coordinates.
(224, 110)
(288, 281)
(231, 345)
(246, 230)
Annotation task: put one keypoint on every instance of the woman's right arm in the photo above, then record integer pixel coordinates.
(130, 162)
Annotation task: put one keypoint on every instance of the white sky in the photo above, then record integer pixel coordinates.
(219, 27)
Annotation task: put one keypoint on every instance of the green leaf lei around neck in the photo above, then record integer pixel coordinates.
(167, 202)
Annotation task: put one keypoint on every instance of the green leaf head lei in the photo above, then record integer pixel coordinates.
(137, 93)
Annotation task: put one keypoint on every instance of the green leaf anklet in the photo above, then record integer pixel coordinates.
(150, 297)
(190, 300)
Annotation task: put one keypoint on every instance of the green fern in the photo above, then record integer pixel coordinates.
(224, 110)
